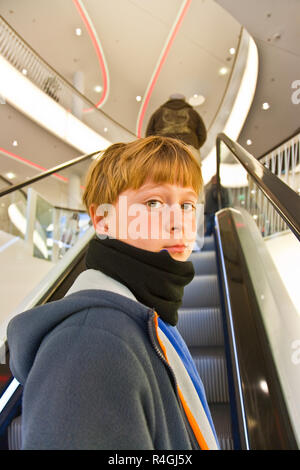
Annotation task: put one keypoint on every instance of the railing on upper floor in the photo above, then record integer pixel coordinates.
(27, 61)
(284, 162)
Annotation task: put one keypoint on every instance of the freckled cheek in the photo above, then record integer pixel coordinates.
(139, 226)
(150, 224)
(190, 226)
(154, 220)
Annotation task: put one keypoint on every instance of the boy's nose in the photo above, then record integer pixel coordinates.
(174, 219)
(176, 227)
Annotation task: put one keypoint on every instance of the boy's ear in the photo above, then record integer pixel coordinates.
(99, 220)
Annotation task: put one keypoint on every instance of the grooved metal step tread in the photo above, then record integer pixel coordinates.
(212, 369)
(209, 244)
(204, 262)
(222, 420)
(201, 326)
(203, 291)
(14, 435)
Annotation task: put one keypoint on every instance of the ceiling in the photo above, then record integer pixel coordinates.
(275, 28)
(133, 34)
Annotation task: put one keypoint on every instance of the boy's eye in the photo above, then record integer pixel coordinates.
(154, 204)
(188, 206)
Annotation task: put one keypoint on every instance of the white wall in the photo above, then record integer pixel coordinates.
(285, 252)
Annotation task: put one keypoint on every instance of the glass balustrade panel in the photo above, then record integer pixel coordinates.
(39, 225)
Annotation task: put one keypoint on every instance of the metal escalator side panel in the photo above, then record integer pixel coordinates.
(263, 417)
(235, 382)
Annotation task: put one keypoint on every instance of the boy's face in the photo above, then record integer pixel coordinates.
(154, 217)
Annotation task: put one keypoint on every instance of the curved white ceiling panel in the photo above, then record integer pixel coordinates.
(99, 51)
(234, 108)
(163, 55)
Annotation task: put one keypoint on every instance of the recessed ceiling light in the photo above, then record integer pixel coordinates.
(232, 51)
(10, 175)
(24, 71)
(196, 100)
(98, 88)
(15, 143)
(223, 71)
(249, 142)
(78, 32)
(138, 98)
(265, 106)
(105, 129)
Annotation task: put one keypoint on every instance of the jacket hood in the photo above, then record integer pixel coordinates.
(177, 104)
(26, 331)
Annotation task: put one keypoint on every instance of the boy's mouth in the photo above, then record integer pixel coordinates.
(176, 248)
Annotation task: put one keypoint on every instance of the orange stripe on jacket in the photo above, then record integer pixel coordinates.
(199, 436)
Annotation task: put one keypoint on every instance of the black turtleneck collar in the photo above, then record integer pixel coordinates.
(156, 279)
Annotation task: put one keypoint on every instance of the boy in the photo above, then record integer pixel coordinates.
(105, 367)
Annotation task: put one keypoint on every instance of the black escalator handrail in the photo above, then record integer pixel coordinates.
(281, 196)
(49, 172)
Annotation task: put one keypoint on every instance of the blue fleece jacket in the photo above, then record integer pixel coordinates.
(94, 376)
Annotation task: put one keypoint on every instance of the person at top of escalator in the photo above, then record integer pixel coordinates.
(105, 367)
(212, 204)
(178, 119)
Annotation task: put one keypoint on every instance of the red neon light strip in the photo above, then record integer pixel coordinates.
(30, 163)
(98, 52)
(154, 80)
(4, 378)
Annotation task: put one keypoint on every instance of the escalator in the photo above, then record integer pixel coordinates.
(252, 393)
(201, 325)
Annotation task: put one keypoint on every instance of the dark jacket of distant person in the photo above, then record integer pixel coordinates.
(176, 118)
(211, 197)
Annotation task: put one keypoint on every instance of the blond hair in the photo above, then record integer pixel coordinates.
(123, 166)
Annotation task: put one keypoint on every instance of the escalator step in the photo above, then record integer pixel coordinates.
(211, 366)
(15, 434)
(222, 420)
(209, 244)
(201, 326)
(204, 262)
(203, 291)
